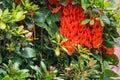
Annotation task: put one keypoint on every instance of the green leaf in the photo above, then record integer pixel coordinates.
(106, 4)
(28, 52)
(105, 65)
(114, 33)
(53, 28)
(117, 44)
(111, 58)
(101, 22)
(110, 73)
(2, 25)
(64, 49)
(8, 36)
(85, 21)
(112, 3)
(42, 25)
(20, 16)
(36, 68)
(29, 23)
(2, 71)
(58, 38)
(55, 17)
(7, 78)
(85, 4)
(63, 40)
(6, 12)
(98, 57)
(39, 17)
(108, 44)
(105, 19)
(43, 66)
(104, 77)
(91, 22)
(23, 74)
(64, 3)
(75, 2)
(0, 58)
(57, 51)
(0, 13)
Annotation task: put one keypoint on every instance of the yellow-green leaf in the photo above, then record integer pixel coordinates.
(57, 51)
(85, 21)
(0, 13)
(58, 38)
(85, 56)
(91, 22)
(2, 25)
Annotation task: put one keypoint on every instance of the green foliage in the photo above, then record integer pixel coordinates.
(31, 45)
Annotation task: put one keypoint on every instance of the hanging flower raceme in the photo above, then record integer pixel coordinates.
(71, 28)
(96, 34)
(76, 33)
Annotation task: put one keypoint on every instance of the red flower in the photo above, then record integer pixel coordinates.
(70, 28)
(56, 4)
(55, 10)
(110, 50)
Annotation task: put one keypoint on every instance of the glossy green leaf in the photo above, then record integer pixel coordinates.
(7, 78)
(114, 33)
(58, 38)
(105, 19)
(8, 36)
(57, 51)
(2, 71)
(42, 25)
(105, 77)
(101, 22)
(0, 13)
(28, 52)
(91, 22)
(111, 58)
(75, 2)
(107, 43)
(64, 3)
(6, 12)
(29, 23)
(105, 65)
(111, 73)
(112, 3)
(117, 44)
(2, 25)
(106, 4)
(20, 16)
(85, 4)
(98, 57)
(85, 21)
(53, 28)
(36, 68)
(0, 58)
(23, 73)
(43, 66)
(39, 18)
(55, 17)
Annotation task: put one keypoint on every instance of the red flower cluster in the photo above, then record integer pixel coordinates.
(106, 50)
(56, 4)
(71, 28)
